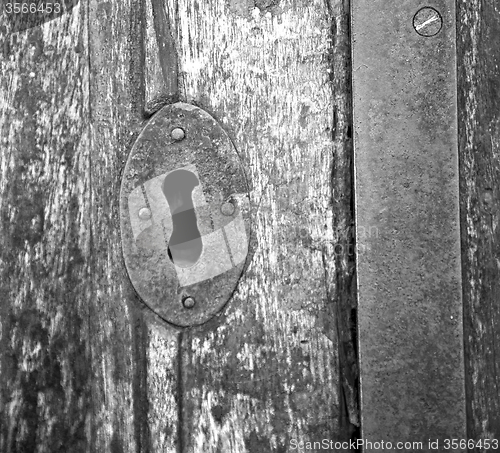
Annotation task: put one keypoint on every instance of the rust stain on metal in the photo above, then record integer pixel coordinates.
(169, 260)
(406, 188)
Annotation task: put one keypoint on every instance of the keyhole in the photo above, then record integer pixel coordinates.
(185, 245)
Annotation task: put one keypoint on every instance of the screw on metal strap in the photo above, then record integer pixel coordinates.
(427, 22)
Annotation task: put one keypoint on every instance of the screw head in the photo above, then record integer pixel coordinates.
(188, 302)
(427, 22)
(177, 134)
(227, 208)
(144, 213)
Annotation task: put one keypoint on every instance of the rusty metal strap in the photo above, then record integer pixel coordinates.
(407, 222)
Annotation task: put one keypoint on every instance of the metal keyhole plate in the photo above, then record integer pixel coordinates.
(179, 240)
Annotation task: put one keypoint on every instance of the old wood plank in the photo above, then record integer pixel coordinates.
(45, 373)
(265, 373)
(115, 112)
(75, 345)
(163, 390)
(154, 83)
(479, 142)
(134, 362)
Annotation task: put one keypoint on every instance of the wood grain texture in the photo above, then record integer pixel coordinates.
(74, 338)
(479, 140)
(154, 82)
(83, 367)
(266, 371)
(163, 387)
(45, 233)
(161, 71)
(124, 341)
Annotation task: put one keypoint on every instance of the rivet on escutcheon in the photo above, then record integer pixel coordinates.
(188, 302)
(144, 213)
(184, 257)
(427, 22)
(177, 134)
(227, 208)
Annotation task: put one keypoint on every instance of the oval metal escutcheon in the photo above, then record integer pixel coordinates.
(185, 215)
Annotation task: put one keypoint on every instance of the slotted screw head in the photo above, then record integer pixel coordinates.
(427, 22)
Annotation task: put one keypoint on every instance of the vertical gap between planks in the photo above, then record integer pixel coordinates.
(163, 88)
(180, 393)
(91, 431)
(342, 187)
(166, 50)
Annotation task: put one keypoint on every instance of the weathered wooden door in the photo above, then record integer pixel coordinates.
(85, 366)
